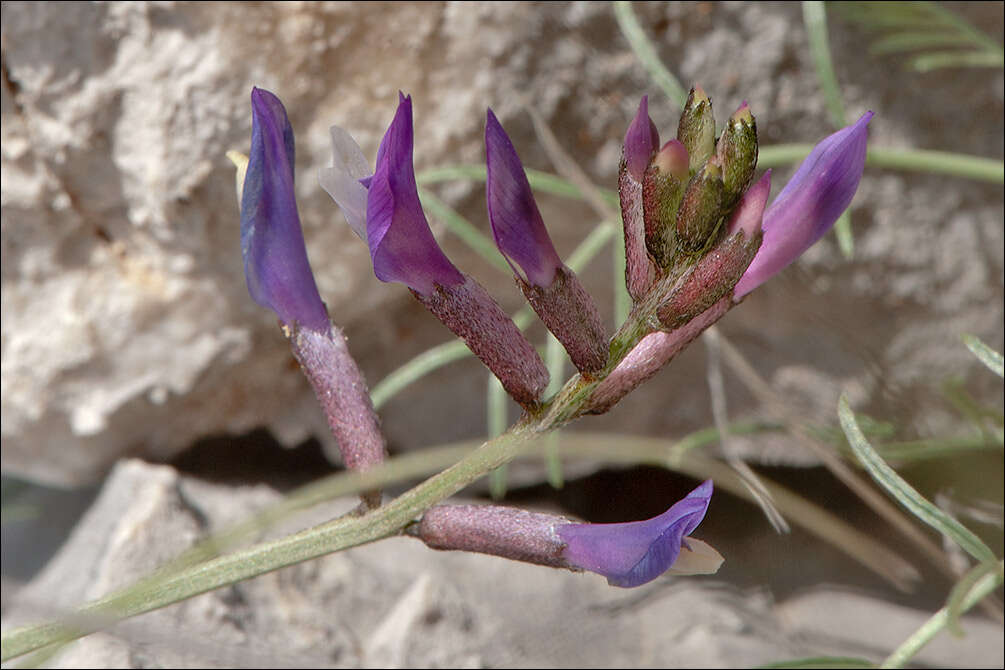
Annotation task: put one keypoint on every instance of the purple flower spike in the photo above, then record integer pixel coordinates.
(401, 245)
(819, 191)
(631, 554)
(641, 140)
(275, 259)
(516, 221)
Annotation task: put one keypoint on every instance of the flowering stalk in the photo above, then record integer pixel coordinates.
(279, 277)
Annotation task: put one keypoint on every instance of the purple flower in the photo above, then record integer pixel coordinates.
(819, 191)
(401, 244)
(631, 554)
(516, 221)
(275, 259)
(641, 140)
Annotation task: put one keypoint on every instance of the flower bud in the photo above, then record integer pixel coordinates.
(696, 129)
(737, 152)
(662, 192)
(701, 208)
(641, 141)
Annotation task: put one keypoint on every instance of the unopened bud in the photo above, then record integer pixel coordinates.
(737, 152)
(662, 192)
(701, 209)
(696, 129)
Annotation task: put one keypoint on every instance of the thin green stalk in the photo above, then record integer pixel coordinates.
(555, 360)
(646, 53)
(906, 494)
(245, 564)
(815, 19)
(914, 160)
(496, 417)
(905, 652)
(993, 360)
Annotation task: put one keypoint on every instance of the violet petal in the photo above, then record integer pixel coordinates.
(401, 244)
(819, 191)
(631, 554)
(275, 259)
(516, 222)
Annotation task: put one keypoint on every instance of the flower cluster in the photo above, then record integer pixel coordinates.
(699, 236)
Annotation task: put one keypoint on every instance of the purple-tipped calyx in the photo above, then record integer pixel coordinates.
(631, 554)
(641, 140)
(516, 222)
(819, 191)
(275, 259)
(401, 244)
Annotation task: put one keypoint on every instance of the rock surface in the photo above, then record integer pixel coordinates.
(127, 328)
(396, 603)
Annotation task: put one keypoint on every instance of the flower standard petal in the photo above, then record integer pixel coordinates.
(401, 244)
(631, 554)
(342, 179)
(516, 222)
(275, 259)
(819, 191)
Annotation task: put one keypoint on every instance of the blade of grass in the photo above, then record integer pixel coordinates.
(905, 652)
(554, 358)
(815, 19)
(985, 354)
(906, 494)
(646, 53)
(497, 418)
(954, 605)
(822, 662)
(935, 61)
(914, 160)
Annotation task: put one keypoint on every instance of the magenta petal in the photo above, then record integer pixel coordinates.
(275, 259)
(401, 245)
(819, 191)
(631, 554)
(641, 140)
(516, 221)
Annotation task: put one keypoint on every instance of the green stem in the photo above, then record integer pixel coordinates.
(643, 48)
(940, 620)
(241, 565)
(915, 160)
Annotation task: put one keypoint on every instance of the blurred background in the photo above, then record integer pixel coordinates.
(127, 330)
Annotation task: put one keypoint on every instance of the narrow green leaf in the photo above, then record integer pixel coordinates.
(822, 662)
(944, 59)
(962, 589)
(911, 41)
(554, 358)
(815, 19)
(496, 416)
(988, 356)
(545, 182)
(906, 651)
(904, 493)
(646, 53)
(846, 242)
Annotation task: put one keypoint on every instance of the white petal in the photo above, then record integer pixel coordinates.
(696, 558)
(341, 179)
